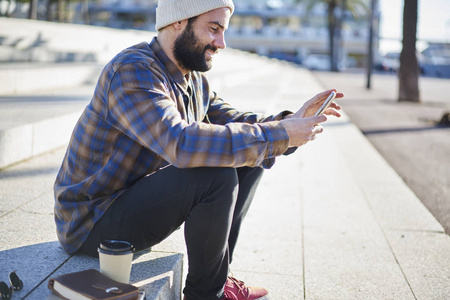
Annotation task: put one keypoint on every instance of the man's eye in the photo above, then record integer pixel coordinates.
(214, 29)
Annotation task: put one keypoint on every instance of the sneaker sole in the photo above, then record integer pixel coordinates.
(265, 297)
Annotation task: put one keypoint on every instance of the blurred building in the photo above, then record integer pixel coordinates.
(274, 28)
(294, 33)
(131, 14)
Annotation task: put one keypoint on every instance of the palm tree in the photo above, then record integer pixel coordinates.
(409, 70)
(335, 14)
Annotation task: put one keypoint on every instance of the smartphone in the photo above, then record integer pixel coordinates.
(326, 104)
(141, 295)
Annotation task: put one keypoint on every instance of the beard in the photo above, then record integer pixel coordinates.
(190, 52)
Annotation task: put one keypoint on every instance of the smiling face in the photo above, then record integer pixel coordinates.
(203, 36)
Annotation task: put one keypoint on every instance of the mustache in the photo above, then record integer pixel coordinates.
(210, 47)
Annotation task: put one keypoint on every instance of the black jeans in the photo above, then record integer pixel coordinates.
(212, 202)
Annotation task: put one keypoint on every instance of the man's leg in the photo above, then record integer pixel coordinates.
(249, 179)
(158, 204)
(195, 231)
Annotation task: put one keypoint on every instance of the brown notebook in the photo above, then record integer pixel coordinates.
(91, 284)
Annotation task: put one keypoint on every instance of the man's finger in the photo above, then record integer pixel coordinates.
(335, 106)
(339, 95)
(317, 129)
(332, 112)
(328, 92)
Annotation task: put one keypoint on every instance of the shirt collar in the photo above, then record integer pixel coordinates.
(171, 68)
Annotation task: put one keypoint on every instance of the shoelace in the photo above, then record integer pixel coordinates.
(239, 284)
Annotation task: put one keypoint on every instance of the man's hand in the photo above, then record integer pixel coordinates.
(312, 105)
(302, 130)
(302, 126)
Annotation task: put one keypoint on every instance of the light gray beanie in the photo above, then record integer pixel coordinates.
(171, 11)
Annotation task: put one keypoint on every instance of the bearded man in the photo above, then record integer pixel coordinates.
(156, 148)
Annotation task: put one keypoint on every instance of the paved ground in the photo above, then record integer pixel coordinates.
(332, 221)
(405, 133)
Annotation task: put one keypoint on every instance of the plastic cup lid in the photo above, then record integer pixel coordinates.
(114, 247)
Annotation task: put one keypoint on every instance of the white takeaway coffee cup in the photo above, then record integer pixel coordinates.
(115, 259)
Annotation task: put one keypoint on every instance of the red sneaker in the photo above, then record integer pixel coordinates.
(236, 290)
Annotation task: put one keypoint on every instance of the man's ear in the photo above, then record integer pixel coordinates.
(180, 25)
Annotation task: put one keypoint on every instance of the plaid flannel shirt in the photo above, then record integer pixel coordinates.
(145, 115)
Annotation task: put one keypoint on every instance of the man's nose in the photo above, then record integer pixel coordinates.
(219, 42)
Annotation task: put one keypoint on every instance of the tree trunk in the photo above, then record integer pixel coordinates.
(67, 12)
(1, 12)
(49, 10)
(60, 11)
(8, 8)
(32, 13)
(409, 71)
(85, 11)
(6, 12)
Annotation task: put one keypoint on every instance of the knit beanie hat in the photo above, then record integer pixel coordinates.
(171, 11)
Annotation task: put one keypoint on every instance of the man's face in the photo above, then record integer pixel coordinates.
(202, 38)
(190, 52)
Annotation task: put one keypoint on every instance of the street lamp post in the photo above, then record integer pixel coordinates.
(371, 36)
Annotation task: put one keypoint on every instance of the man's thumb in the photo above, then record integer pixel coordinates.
(317, 119)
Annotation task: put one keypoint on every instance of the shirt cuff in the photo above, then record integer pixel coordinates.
(282, 115)
(277, 138)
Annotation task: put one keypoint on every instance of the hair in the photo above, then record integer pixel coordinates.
(192, 20)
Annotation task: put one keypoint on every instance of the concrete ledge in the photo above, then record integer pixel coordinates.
(38, 55)
(41, 41)
(23, 142)
(159, 274)
(29, 77)
(29, 244)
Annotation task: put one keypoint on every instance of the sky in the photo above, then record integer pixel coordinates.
(433, 22)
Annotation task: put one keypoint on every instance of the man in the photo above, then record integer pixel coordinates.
(156, 148)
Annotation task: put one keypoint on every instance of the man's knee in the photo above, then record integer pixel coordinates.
(224, 179)
(217, 183)
(223, 176)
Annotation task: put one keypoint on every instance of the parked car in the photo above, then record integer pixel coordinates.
(321, 62)
(389, 62)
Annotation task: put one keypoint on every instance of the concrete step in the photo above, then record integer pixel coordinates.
(29, 244)
(24, 40)
(158, 274)
(29, 140)
(20, 78)
(35, 123)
